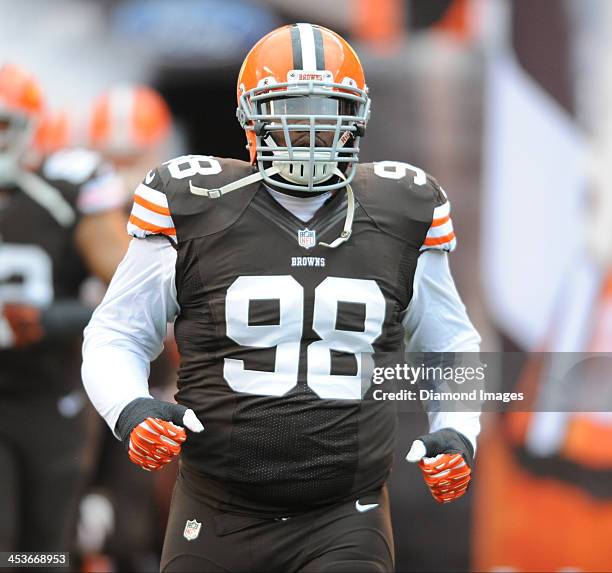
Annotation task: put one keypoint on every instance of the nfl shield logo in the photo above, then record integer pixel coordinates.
(192, 529)
(307, 238)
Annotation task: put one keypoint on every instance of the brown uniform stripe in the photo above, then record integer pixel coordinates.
(319, 49)
(296, 47)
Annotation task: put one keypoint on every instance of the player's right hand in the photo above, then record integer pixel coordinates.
(153, 431)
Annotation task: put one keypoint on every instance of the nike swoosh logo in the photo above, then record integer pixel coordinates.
(367, 507)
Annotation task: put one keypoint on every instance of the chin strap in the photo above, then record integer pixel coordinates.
(350, 214)
(255, 177)
(238, 184)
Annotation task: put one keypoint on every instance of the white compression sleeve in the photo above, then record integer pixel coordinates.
(436, 321)
(127, 330)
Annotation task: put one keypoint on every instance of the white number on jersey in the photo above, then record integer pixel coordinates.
(327, 296)
(398, 170)
(286, 335)
(190, 165)
(33, 267)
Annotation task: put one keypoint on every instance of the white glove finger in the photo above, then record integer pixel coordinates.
(191, 422)
(177, 429)
(439, 474)
(430, 461)
(138, 449)
(417, 451)
(169, 441)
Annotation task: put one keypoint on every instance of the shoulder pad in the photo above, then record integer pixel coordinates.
(164, 203)
(73, 166)
(85, 180)
(401, 199)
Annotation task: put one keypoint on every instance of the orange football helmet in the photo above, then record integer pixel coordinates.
(53, 132)
(303, 78)
(128, 119)
(21, 103)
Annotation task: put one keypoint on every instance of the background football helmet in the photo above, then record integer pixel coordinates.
(128, 119)
(303, 103)
(53, 132)
(130, 125)
(21, 104)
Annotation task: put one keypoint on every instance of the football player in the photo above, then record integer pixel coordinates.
(58, 223)
(283, 275)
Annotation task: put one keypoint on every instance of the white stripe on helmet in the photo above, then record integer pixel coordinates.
(307, 40)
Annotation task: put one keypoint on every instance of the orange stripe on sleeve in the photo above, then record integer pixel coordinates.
(440, 221)
(153, 228)
(151, 206)
(434, 241)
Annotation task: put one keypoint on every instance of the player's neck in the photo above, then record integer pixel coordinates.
(298, 194)
(303, 208)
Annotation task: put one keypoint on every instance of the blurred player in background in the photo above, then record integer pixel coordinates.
(130, 125)
(289, 471)
(121, 518)
(59, 222)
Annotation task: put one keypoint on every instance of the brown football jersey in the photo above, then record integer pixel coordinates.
(277, 333)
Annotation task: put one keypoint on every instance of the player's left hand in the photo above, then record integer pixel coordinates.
(445, 458)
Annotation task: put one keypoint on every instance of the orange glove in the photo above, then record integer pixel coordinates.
(445, 458)
(154, 442)
(24, 322)
(151, 432)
